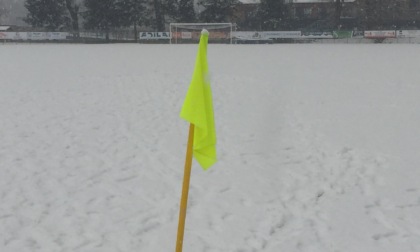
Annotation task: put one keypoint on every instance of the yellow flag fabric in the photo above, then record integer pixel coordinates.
(198, 109)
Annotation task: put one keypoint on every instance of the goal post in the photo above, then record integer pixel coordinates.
(182, 33)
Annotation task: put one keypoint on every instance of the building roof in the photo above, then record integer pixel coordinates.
(250, 1)
(296, 1)
(4, 28)
(316, 1)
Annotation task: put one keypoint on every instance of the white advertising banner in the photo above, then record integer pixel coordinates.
(14, 35)
(248, 35)
(408, 34)
(57, 35)
(267, 35)
(34, 35)
(155, 35)
(19, 35)
(94, 35)
(318, 35)
(379, 34)
(37, 36)
(282, 34)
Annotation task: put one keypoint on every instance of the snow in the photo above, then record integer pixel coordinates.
(318, 148)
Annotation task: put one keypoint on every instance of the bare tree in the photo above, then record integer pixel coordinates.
(47, 14)
(381, 14)
(337, 14)
(73, 9)
(159, 15)
(3, 10)
(133, 14)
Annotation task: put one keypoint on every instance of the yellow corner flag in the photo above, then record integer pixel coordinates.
(198, 108)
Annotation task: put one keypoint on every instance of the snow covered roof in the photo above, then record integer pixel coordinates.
(295, 1)
(316, 1)
(249, 1)
(4, 28)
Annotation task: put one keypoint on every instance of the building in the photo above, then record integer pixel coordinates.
(321, 14)
(243, 14)
(389, 14)
(304, 14)
(355, 14)
(4, 28)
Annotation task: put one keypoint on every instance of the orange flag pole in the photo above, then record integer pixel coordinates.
(185, 190)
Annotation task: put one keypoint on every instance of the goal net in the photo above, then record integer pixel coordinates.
(182, 33)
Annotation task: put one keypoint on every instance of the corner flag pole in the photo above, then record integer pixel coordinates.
(198, 111)
(185, 190)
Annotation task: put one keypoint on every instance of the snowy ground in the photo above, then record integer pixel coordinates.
(319, 149)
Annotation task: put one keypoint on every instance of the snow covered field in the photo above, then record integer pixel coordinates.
(319, 149)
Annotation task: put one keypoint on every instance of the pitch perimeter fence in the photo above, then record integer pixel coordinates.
(238, 37)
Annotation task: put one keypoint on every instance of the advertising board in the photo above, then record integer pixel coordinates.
(266, 34)
(186, 35)
(57, 35)
(379, 34)
(317, 35)
(37, 35)
(155, 35)
(14, 35)
(408, 34)
(342, 34)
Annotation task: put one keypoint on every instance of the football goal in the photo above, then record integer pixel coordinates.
(183, 33)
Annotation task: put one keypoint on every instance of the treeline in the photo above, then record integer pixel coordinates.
(107, 15)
